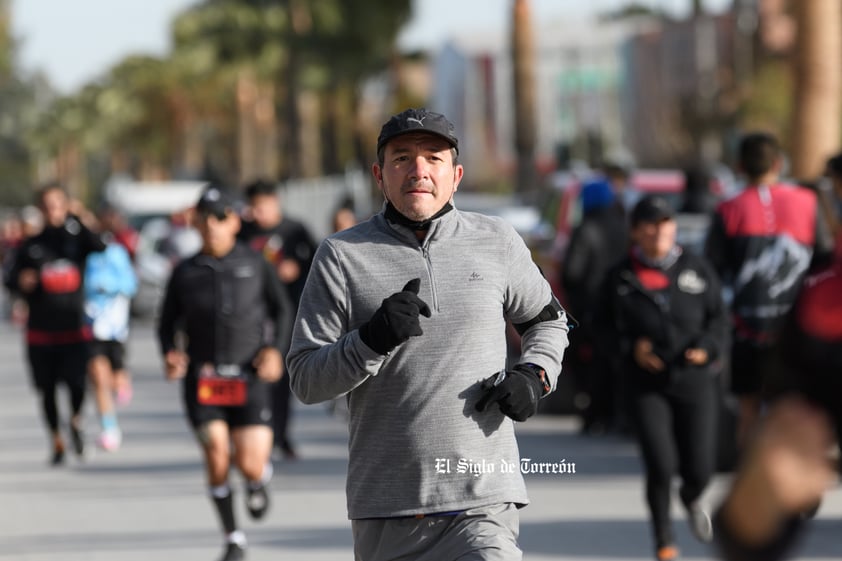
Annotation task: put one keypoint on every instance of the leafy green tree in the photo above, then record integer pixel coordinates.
(226, 102)
(17, 113)
(336, 45)
(233, 50)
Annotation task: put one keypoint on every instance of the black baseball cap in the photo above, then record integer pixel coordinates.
(217, 201)
(418, 120)
(651, 208)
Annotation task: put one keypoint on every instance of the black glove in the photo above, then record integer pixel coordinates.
(396, 320)
(518, 391)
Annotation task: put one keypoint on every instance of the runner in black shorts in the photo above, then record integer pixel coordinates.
(113, 351)
(256, 411)
(106, 369)
(231, 307)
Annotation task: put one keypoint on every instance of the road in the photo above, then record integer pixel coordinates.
(148, 501)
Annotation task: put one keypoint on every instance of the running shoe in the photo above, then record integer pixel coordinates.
(124, 395)
(78, 438)
(257, 501)
(288, 451)
(667, 553)
(700, 523)
(110, 440)
(58, 457)
(233, 552)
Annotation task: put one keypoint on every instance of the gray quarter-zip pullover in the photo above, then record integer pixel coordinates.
(417, 445)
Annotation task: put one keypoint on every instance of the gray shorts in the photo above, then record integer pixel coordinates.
(486, 533)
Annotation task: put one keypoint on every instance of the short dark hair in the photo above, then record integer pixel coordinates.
(616, 171)
(834, 165)
(260, 187)
(758, 153)
(47, 187)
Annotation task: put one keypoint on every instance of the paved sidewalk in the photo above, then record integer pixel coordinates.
(148, 501)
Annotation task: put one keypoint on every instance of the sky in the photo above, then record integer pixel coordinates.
(73, 42)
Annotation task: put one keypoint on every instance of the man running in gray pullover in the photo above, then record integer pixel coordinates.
(406, 315)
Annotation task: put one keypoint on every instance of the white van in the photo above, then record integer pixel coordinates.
(148, 207)
(141, 201)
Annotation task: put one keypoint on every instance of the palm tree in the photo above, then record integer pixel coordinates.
(216, 106)
(335, 46)
(239, 48)
(818, 77)
(523, 61)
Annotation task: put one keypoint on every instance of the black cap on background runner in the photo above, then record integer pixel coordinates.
(651, 208)
(217, 201)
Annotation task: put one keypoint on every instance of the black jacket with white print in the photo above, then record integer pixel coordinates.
(676, 303)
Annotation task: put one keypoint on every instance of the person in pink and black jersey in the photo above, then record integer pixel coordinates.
(763, 242)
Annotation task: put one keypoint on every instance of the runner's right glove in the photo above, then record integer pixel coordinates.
(396, 320)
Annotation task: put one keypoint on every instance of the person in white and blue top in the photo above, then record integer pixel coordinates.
(110, 283)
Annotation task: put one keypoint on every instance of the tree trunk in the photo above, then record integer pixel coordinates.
(523, 63)
(71, 172)
(292, 150)
(331, 99)
(266, 121)
(310, 139)
(246, 127)
(818, 76)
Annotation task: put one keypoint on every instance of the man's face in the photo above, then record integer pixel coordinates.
(219, 234)
(655, 239)
(110, 221)
(265, 210)
(418, 175)
(55, 206)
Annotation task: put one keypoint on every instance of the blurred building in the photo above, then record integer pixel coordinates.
(686, 80)
(663, 91)
(657, 92)
(679, 91)
(578, 87)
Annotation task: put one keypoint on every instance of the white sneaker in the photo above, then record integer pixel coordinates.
(700, 523)
(110, 440)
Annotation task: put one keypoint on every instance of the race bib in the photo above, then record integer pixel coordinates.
(224, 385)
(60, 277)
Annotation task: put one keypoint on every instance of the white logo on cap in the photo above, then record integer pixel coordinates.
(212, 195)
(419, 121)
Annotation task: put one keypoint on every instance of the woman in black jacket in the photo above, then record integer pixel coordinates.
(663, 312)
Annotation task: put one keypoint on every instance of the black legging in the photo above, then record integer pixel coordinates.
(52, 364)
(676, 431)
